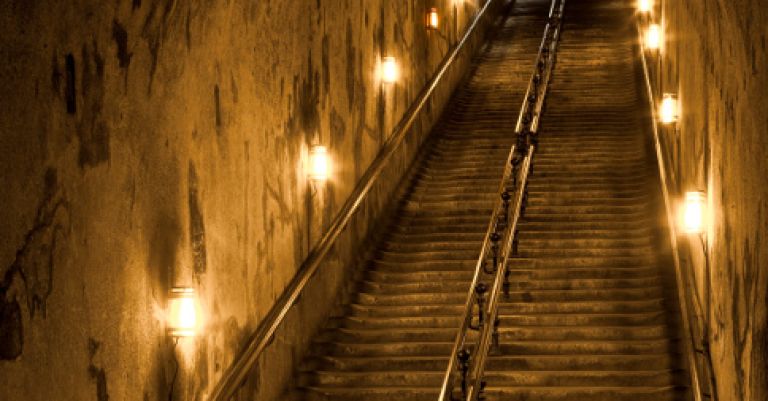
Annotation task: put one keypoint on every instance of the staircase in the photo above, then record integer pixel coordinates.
(591, 314)
(394, 342)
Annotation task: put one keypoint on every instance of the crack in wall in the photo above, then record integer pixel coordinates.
(196, 224)
(30, 277)
(97, 374)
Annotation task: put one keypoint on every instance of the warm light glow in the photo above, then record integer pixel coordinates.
(644, 6)
(389, 70)
(668, 110)
(653, 37)
(182, 316)
(693, 213)
(319, 165)
(433, 19)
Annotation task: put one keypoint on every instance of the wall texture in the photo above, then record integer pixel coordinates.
(152, 143)
(715, 58)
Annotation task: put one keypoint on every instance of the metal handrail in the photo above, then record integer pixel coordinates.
(466, 321)
(490, 329)
(460, 360)
(681, 277)
(532, 83)
(262, 337)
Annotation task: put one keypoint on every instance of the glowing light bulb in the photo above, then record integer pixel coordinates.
(389, 70)
(694, 211)
(653, 37)
(319, 165)
(668, 110)
(433, 19)
(182, 312)
(644, 6)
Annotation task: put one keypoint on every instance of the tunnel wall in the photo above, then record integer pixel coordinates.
(148, 144)
(715, 58)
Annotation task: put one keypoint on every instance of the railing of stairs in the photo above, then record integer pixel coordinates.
(463, 378)
(244, 362)
(694, 313)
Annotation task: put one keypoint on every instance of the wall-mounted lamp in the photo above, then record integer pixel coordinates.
(182, 319)
(433, 19)
(644, 6)
(319, 163)
(653, 37)
(669, 111)
(694, 212)
(389, 70)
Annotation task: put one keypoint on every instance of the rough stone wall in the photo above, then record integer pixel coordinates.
(716, 59)
(146, 144)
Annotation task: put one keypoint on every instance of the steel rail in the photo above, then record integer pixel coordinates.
(260, 340)
(532, 107)
(681, 277)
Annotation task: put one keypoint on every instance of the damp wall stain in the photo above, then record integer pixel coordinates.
(120, 36)
(11, 329)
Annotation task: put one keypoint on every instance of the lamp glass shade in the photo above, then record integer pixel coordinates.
(668, 110)
(644, 6)
(319, 165)
(693, 213)
(653, 37)
(433, 19)
(182, 312)
(389, 70)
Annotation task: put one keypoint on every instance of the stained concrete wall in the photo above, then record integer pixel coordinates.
(146, 144)
(715, 58)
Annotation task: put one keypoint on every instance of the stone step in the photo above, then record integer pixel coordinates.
(522, 273)
(564, 295)
(581, 243)
(586, 232)
(529, 250)
(507, 320)
(535, 214)
(618, 362)
(431, 347)
(433, 378)
(427, 245)
(506, 333)
(515, 307)
(494, 393)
